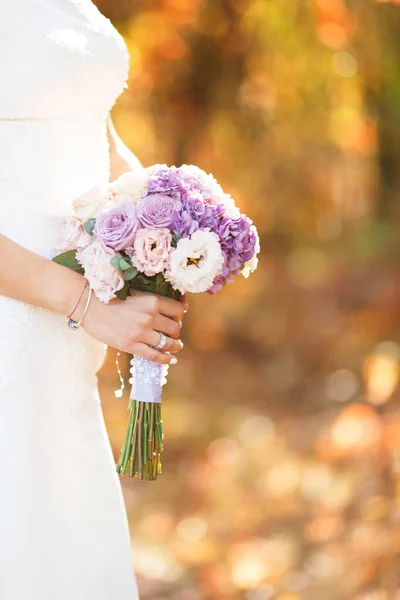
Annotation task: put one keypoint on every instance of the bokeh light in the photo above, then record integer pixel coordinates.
(281, 468)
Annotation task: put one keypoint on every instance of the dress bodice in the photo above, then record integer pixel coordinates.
(62, 67)
(58, 59)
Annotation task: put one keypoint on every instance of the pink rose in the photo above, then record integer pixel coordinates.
(102, 276)
(152, 250)
(73, 235)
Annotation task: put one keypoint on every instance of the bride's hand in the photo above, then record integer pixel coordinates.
(133, 325)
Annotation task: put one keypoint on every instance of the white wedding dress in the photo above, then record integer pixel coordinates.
(63, 526)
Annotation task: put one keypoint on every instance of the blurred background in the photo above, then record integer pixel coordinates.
(281, 469)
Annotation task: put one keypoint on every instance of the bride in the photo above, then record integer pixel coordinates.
(63, 526)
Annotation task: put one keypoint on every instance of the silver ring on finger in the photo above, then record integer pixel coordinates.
(161, 342)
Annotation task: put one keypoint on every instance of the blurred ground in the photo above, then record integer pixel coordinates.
(282, 445)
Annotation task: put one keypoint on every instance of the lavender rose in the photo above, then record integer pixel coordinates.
(157, 210)
(117, 226)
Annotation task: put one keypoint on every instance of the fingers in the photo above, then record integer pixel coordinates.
(154, 314)
(154, 304)
(170, 308)
(155, 355)
(185, 303)
(171, 345)
(167, 326)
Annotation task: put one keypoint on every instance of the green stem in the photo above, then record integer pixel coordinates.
(140, 441)
(143, 442)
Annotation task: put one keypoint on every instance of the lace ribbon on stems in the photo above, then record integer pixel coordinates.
(141, 451)
(147, 379)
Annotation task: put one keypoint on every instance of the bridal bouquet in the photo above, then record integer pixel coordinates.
(167, 230)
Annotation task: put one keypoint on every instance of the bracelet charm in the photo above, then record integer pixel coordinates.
(73, 324)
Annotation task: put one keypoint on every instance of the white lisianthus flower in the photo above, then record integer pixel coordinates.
(85, 207)
(196, 262)
(133, 183)
(251, 265)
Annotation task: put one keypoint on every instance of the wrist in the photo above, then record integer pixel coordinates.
(76, 309)
(80, 309)
(66, 289)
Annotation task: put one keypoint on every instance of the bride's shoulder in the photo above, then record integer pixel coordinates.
(58, 58)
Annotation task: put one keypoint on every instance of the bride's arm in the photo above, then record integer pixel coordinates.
(121, 158)
(131, 326)
(31, 278)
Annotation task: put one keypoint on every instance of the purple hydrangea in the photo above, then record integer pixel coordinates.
(182, 182)
(165, 180)
(238, 244)
(197, 214)
(220, 281)
(195, 181)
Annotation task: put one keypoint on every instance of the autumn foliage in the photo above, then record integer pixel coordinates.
(281, 472)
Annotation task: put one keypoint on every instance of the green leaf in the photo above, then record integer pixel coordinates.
(67, 259)
(123, 264)
(149, 284)
(175, 238)
(115, 262)
(130, 273)
(123, 293)
(88, 226)
(160, 278)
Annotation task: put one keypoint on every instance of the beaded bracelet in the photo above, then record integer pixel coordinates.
(75, 324)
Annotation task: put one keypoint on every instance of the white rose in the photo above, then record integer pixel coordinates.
(118, 199)
(86, 206)
(195, 262)
(133, 183)
(104, 279)
(252, 264)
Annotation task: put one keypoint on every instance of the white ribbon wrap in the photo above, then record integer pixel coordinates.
(147, 379)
